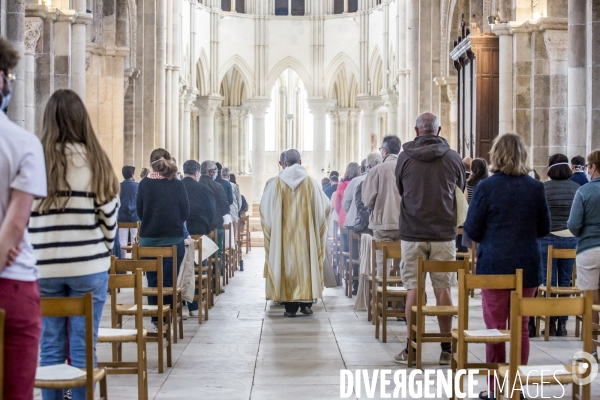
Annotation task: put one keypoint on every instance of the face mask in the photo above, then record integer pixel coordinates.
(6, 97)
(588, 176)
(214, 177)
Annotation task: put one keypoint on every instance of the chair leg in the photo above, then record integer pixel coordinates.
(141, 371)
(180, 308)
(169, 342)
(546, 328)
(161, 345)
(411, 337)
(174, 315)
(384, 321)
(103, 389)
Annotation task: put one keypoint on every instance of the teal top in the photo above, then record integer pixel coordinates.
(159, 242)
(584, 220)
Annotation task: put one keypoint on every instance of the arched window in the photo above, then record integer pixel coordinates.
(338, 6)
(290, 7)
(226, 5)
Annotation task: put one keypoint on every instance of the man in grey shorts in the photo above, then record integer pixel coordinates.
(427, 173)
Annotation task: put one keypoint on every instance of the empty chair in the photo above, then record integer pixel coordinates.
(388, 292)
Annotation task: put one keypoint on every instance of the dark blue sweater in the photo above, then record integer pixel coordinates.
(580, 178)
(507, 215)
(128, 195)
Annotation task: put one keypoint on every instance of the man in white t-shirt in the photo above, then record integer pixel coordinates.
(22, 177)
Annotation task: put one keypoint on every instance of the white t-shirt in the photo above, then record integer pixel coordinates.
(22, 167)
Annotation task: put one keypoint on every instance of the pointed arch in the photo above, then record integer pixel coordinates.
(290, 62)
(339, 88)
(353, 92)
(243, 68)
(202, 84)
(339, 61)
(375, 71)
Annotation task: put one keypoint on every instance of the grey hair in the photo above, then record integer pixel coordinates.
(225, 172)
(207, 166)
(352, 171)
(292, 156)
(374, 159)
(427, 123)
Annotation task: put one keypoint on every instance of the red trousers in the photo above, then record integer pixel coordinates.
(22, 328)
(496, 312)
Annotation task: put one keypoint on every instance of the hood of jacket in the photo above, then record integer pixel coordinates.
(293, 176)
(426, 148)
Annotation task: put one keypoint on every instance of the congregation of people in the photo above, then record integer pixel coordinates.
(61, 205)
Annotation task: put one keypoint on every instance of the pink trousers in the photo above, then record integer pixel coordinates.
(496, 313)
(22, 328)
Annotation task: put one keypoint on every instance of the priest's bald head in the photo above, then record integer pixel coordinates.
(292, 156)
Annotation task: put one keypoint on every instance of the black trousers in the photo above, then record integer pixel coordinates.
(293, 306)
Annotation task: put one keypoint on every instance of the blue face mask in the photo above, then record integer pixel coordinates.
(214, 177)
(6, 96)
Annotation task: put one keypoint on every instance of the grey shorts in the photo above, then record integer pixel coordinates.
(431, 251)
(588, 269)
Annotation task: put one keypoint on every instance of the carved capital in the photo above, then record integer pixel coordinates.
(33, 31)
(66, 16)
(452, 92)
(320, 107)
(257, 107)
(369, 104)
(207, 105)
(390, 99)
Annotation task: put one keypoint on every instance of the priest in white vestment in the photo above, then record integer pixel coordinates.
(294, 213)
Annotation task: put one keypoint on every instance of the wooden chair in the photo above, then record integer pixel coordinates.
(461, 255)
(2, 319)
(173, 290)
(203, 279)
(117, 335)
(161, 311)
(238, 241)
(225, 257)
(214, 262)
(462, 340)
(73, 307)
(532, 307)
(343, 257)
(388, 293)
(418, 336)
(548, 290)
(245, 232)
(353, 260)
(375, 279)
(130, 225)
(335, 256)
(595, 328)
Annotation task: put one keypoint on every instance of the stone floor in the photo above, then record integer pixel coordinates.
(248, 350)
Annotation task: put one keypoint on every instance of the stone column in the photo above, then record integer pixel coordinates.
(244, 138)
(78, 47)
(175, 86)
(576, 132)
(44, 64)
(33, 31)
(235, 114)
(390, 101)
(207, 105)
(413, 61)
(522, 68)
(344, 134)
(556, 44)
(402, 75)
(189, 96)
(161, 87)
(15, 29)
(354, 138)
(336, 145)
(505, 104)
(258, 108)
(369, 106)
(425, 56)
(593, 75)
(319, 109)
(62, 49)
(452, 91)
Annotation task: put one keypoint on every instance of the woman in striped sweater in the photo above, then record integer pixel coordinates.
(73, 229)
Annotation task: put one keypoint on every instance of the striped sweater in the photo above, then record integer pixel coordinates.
(77, 240)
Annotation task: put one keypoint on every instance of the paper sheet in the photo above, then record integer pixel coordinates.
(486, 333)
(58, 372)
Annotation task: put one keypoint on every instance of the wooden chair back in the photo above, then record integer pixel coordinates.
(389, 253)
(435, 267)
(127, 281)
(155, 252)
(375, 246)
(552, 307)
(76, 307)
(118, 267)
(558, 254)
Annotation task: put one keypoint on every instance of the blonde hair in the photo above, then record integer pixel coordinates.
(161, 162)
(594, 158)
(508, 155)
(66, 121)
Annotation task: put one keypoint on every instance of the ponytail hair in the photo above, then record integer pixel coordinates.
(161, 162)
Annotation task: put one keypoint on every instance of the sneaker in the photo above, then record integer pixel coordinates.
(222, 290)
(68, 395)
(155, 329)
(289, 314)
(242, 265)
(561, 329)
(306, 310)
(402, 358)
(184, 317)
(445, 358)
(487, 396)
(194, 313)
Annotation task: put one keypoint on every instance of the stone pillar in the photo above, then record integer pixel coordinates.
(187, 124)
(369, 105)
(425, 56)
(244, 138)
(15, 32)
(593, 75)
(235, 114)
(576, 132)
(207, 105)
(390, 101)
(161, 92)
(452, 91)
(521, 80)
(505, 104)
(33, 31)
(319, 109)
(78, 48)
(334, 155)
(44, 63)
(413, 63)
(258, 108)
(62, 49)
(175, 86)
(556, 44)
(354, 122)
(401, 72)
